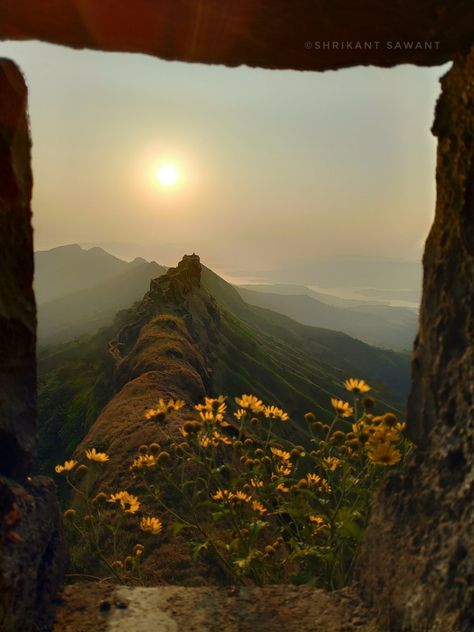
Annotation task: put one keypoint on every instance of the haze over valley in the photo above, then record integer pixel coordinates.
(80, 290)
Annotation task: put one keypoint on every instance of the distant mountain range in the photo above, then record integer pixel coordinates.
(81, 290)
(193, 334)
(378, 324)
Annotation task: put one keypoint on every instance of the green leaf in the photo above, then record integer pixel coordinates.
(178, 527)
(197, 548)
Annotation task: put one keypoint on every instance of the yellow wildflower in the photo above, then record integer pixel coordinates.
(210, 418)
(220, 438)
(205, 442)
(331, 462)
(356, 386)
(318, 521)
(257, 506)
(384, 454)
(382, 434)
(144, 460)
(272, 412)
(283, 488)
(343, 409)
(320, 483)
(240, 414)
(361, 431)
(150, 524)
(99, 457)
(67, 467)
(400, 427)
(283, 469)
(163, 408)
(128, 502)
(223, 495)
(214, 405)
(281, 454)
(250, 402)
(241, 496)
(173, 405)
(256, 482)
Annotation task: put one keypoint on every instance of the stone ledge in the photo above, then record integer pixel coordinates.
(282, 608)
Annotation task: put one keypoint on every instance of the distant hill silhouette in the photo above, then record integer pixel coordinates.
(375, 323)
(78, 291)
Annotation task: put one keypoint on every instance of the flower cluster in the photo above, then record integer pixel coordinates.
(258, 505)
(95, 515)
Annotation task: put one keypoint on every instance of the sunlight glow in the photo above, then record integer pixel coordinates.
(168, 175)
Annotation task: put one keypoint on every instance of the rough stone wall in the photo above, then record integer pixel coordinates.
(417, 564)
(266, 33)
(17, 304)
(443, 362)
(31, 543)
(32, 554)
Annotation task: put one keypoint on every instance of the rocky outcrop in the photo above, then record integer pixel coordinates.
(32, 554)
(443, 363)
(267, 33)
(31, 543)
(417, 563)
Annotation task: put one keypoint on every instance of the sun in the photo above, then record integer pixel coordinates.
(167, 175)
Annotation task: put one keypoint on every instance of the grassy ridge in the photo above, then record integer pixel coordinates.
(246, 349)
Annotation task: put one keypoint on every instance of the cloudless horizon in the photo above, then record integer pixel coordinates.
(262, 169)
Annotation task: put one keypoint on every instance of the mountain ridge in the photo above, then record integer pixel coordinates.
(192, 334)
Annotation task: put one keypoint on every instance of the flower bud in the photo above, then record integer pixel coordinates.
(69, 514)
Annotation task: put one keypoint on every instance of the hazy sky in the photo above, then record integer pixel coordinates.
(277, 167)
